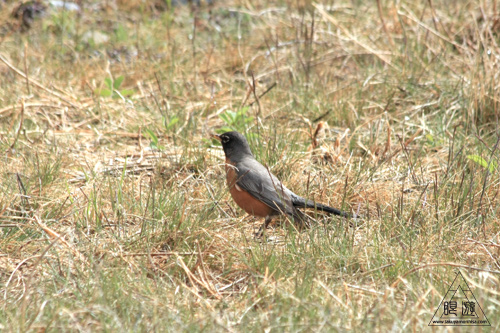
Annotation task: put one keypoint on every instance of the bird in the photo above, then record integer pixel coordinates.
(256, 190)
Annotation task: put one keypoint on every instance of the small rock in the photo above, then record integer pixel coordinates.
(71, 6)
(96, 36)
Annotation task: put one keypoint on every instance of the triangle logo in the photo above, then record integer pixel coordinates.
(459, 307)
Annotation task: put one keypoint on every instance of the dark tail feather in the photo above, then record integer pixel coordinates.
(302, 203)
(327, 209)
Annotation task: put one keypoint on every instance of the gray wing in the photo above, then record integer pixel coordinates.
(254, 178)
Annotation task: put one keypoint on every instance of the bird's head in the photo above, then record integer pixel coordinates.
(233, 143)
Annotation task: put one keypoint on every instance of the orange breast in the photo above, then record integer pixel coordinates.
(242, 198)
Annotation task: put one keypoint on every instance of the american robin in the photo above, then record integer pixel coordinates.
(256, 190)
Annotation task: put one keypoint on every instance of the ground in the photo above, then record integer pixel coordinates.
(114, 214)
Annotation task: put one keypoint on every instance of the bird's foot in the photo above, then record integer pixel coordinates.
(260, 233)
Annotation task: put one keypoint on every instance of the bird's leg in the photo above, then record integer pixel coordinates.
(263, 227)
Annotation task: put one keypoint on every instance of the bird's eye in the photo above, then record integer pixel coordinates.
(224, 138)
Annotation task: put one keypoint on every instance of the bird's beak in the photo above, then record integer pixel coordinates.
(216, 137)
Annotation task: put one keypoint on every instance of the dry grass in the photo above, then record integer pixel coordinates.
(114, 214)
